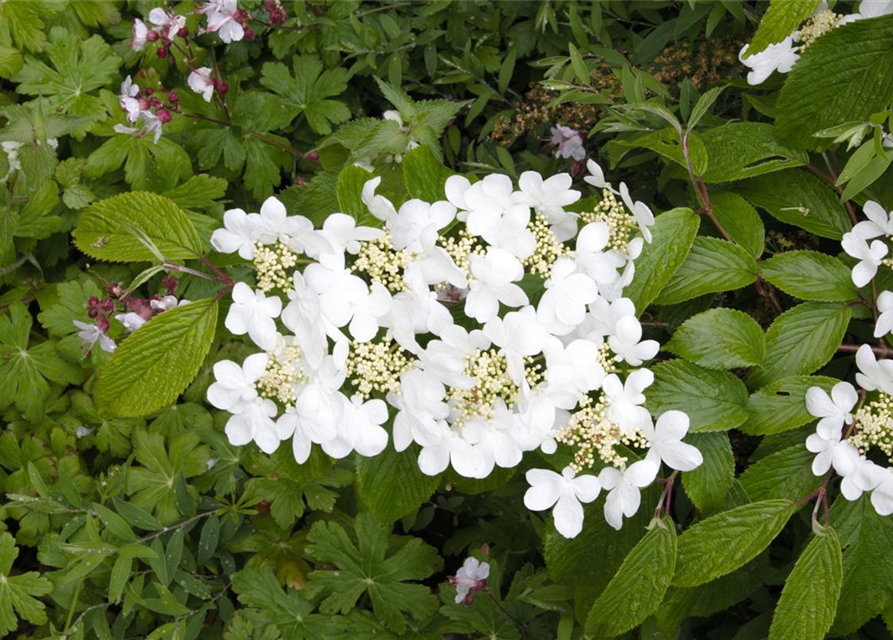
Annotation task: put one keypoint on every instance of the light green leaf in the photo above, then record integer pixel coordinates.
(808, 602)
(845, 75)
(673, 234)
(740, 220)
(155, 364)
(719, 339)
(798, 198)
(713, 400)
(781, 405)
(349, 190)
(638, 588)
(18, 593)
(425, 175)
(713, 265)
(801, 340)
(741, 150)
(722, 543)
(783, 474)
(391, 484)
(810, 275)
(285, 611)
(708, 485)
(782, 18)
(69, 303)
(199, 192)
(116, 229)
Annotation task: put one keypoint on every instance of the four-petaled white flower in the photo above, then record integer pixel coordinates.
(625, 399)
(563, 305)
(201, 82)
(623, 485)
(873, 373)
(869, 256)
(563, 491)
(879, 223)
(494, 278)
(239, 234)
(666, 444)
(626, 341)
(834, 411)
(832, 452)
(253, 313)
(779, 57)
(359, 429)
(549, 197)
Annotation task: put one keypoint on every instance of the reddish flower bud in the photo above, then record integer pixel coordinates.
(313, 156)
(221, 86)
(299, 181)
(107, 305)
(152, 35)
(249, 34)
(154, 102)
(183, 32)
(163, 114)
(173, 97)
(240, 16)
(161, 53)
(103, 323)
(148, 91)
(93, 312)
(170, 285)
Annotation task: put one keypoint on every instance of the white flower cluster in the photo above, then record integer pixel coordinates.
(430, 323)
(782, 56)
(870, 429)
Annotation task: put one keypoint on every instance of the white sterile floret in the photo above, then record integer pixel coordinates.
(779, 57)
(627, 342)
(549, 197)
(494, 439)
(416, 310)
(481, 204)
(519, 335)
(240, 232)
(450, 448)
(666, 444)
(303, 315)
(369, 312)
(832, 452)
(604, 315)
(884, 323)
(494, 278)
(340, 291)
(343, 234)
(624, 485)
(865, 476)
(234, 385)
(590, 256)
(869, 256)
(254, 423)
(641, 212)
(834, 410)
(359, 429)
(596, 176)
(420, 409)
(201, 82)
(415, 216)
(873, 373)
(882, 494)
(879, 223)
(571, 370)
(253, 313)
(445, 359)
(274, 225)
(565, 492)
(563, 305)
(436, 264)
(625, 400)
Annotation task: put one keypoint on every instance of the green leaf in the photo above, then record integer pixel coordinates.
(123, 228)
(741, 150)
(844, 76)
(580, 69)
(79, 67)
(713, 400)
(673, 233)
(307, 89)
(713, 265)
(810, 275)
(349, 189)
(155, 364)
(114, 523)
(740, 220)
(868, 564)
(67, 305)
(782, 18)
(366, 568)
(781, 405)
(719, 339)
(785, 473)
(722, 543)
(801, 340)
(798, 198)
(639, 586)
(391, 484)
(199, 192)
(18, 593)
(709, 484)
(808, 602)
(288, 612)
(264, 164)
(425, 175)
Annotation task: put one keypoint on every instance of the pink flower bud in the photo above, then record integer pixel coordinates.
(152, 35)
(313, 156)
(161, 53)
(173, 97)
(183, 32)
(103, 323)
(221, 86)
(249, 34)
(170, 285)
(163, 115)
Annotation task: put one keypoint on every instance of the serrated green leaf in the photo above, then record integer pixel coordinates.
(809, 600)
(719, 339)
(782, 18)
(722, 543)
(711, 266)
(349, 190)
(798, 198)
(425, 175)
(713, 400)
(740, 220)
(391, 484)
(845, 76)
(18, 593)
(810, 275)
(708, 485)
(68, 304)
(740, 150)
(115, 229)
(199, 192)
(673, 234)
(781, 405)
(307, 89)
(785, 473)
(639, 586)
(801, 340)
(155, 364)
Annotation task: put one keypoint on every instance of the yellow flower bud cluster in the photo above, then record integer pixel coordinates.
(284, 371)
(547, 250)
(593, 436)
(492, 382)
(376, 366)
(817, 26)
(272, 265)
(874, 427)
(621, 225)
(384, 264)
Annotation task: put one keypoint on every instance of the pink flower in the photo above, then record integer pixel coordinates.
(169, 23)
(201, 82)
(91, 334)
(224, 17)
(568, 143)
(140, 34)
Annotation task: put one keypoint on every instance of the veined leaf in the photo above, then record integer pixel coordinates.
(741, 150)
(740, 220)
(782, 18)
(810, 275)
(781, 474)
(781, 405)
(719, 339)
(391, 484)
(712, 266)
(708, 485)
